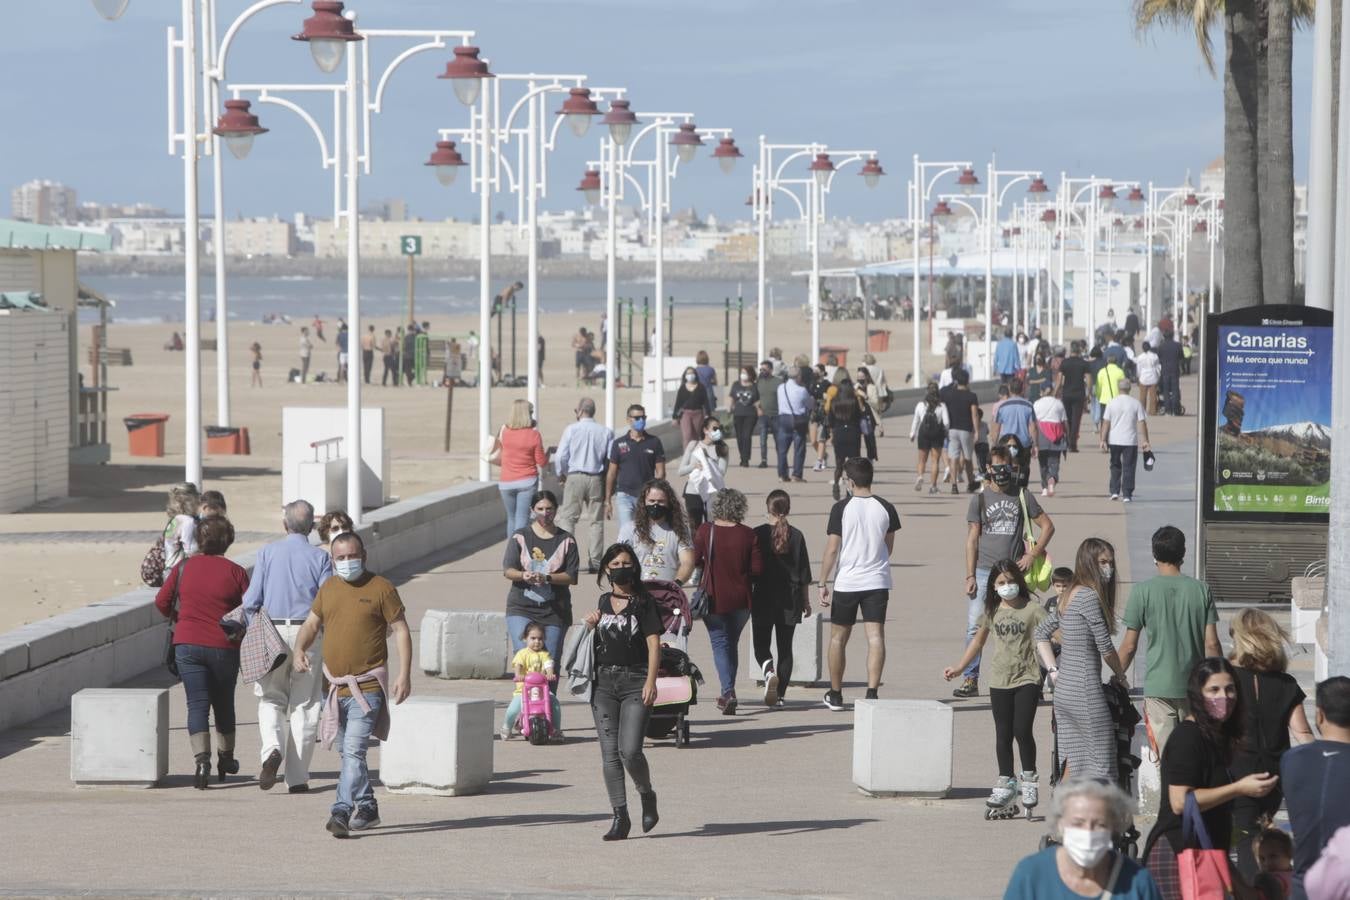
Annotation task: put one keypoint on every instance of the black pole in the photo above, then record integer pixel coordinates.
(670, 326)
(501, 325)
(630, 341)
(646, 326)
(726, 339)
(514, 309)
(740, 331)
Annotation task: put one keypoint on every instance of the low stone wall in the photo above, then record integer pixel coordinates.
(111, 641)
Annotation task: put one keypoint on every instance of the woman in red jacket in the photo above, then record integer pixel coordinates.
(728, 553)
(206, 587)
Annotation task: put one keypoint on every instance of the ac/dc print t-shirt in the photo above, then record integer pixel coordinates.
(621, 638)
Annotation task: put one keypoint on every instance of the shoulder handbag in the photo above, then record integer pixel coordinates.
(701, 603)
(799, 420)
(170, 656)
(492, 453)
(1202, 871)
(1038, 576)
(1111, 879)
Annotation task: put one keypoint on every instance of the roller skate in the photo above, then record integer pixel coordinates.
(1002, 802)
(1031, 794)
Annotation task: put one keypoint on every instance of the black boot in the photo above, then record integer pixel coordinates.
(649, 814)
(203, 774)
(226, 764)
(619, 828)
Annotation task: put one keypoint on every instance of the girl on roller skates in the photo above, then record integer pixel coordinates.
(1014, 679)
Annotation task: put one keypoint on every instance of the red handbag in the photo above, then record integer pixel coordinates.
(1203, 872)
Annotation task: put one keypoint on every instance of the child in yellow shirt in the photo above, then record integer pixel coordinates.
(532, 658)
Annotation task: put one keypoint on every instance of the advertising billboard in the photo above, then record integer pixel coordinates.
(1268, 415)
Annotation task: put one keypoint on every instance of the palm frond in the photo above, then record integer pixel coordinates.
(1198, 16)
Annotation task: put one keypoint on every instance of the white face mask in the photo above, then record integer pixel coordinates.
(1007, 591)
(1086, 847)
(1107, 571)
(715, 434)
(691, 379)
(348, 569)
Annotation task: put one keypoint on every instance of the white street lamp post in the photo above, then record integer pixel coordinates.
(996, 189)
(769, 177)
(920, 193)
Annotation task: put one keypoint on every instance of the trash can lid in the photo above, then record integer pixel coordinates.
(216, 431)
(150, 417)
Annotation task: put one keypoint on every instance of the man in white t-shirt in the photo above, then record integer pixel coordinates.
(1149, 369)
(1124, 433)
(861, 535)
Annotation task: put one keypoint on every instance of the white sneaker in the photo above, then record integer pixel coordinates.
(1115, 496)
(1127, 500)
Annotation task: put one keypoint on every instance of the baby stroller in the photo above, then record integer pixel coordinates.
(678, 678)
(1124, 719)
(676, 690)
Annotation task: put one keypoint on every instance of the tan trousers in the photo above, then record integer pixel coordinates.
(585, 493)
(1162, 715)
(289, 703)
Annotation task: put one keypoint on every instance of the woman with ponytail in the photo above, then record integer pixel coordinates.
(780, 597)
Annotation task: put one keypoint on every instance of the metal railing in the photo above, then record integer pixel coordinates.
(331, 448)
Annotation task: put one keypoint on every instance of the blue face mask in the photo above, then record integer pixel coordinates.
(348, 569)
(640, 424)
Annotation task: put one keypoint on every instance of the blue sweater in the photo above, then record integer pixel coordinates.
(1037, 878)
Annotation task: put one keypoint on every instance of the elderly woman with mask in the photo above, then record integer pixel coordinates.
(1085, 819)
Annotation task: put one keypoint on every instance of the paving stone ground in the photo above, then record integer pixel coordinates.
(760, 804)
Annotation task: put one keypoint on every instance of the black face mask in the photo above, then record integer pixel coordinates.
(657, 510)
(1002, 475)
(623, 575)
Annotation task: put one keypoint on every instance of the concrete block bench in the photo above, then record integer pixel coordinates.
(902, 748)
(454, 644)
(808, 652)
(438, 745)
(119, 736)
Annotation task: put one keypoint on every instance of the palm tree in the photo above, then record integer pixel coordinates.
(1258, 134)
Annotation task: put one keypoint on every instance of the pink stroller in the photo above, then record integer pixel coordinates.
(536, 709)
(677, 681)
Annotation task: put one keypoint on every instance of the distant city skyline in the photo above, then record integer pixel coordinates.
(1048, 84)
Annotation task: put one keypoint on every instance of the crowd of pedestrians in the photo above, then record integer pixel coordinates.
(1224, 730)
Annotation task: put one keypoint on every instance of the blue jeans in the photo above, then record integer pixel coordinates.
(553, 637)
(209, 675)
(624, 507)
(724, 631)
(767, 425)
(794, 439)
(516, 498)
(974, 609)
(354, 727)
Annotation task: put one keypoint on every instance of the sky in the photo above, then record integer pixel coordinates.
(1045, 84)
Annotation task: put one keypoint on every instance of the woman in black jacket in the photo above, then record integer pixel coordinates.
(780, 595)
(845, 418)
(691, 406)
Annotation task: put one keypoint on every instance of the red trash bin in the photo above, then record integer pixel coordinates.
(145, 433)
(878, 340)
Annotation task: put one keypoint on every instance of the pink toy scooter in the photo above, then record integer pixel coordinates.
(536, 709)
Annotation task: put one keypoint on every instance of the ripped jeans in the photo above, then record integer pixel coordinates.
(621, 723)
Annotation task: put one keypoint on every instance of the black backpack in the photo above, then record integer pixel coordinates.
(930, 427)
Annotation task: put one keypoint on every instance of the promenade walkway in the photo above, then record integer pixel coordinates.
(759, 804)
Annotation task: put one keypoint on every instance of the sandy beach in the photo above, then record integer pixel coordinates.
(67, 553)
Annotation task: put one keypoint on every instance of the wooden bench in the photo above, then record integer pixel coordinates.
(736, 361)
(116, 356)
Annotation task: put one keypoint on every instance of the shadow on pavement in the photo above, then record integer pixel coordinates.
(750, 737)
(797, 826)
(529, 819)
